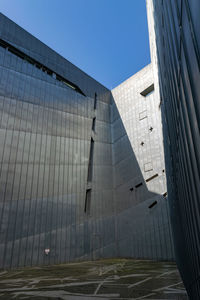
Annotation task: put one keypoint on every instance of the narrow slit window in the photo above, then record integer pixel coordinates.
(88, 201)
(93, 124)
(151, 178)
(148, 90)
(95, 101)
(138, 185)
(38, 65)
(153, 204)
(90, 165)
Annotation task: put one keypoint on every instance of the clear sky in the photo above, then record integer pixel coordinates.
(108, 39)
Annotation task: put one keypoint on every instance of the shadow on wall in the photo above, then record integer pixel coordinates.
(143, 227)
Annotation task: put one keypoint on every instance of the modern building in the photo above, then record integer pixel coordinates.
(174, 27)
(82, 173)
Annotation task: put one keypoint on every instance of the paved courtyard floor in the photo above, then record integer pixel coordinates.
(103, 279)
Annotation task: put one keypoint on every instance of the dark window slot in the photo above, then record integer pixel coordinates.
(38, 65)
(153, 204)
(147, 90)
(152, 177)
(165, 195)
(16, 53)
(93, 124)
(2, 44)
(142, 143)
(138, 185)
(88, 201)
(90, 165)
(95, 101)
(131, 189)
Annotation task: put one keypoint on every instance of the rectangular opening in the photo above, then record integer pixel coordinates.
(88, 201)
(16, 53)
(2, 44)
(152, 177)
(95, 101)
(147, 90)
(93, 124)
(90, 165)
(138, 185)
(153, 204)
(165, 195)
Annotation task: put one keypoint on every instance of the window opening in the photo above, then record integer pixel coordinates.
(148, 90)
(153, 204)
(152, 177)
(88, 201)
(138, 185)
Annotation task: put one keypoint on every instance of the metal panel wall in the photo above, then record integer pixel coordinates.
(68, 161)
(177, 29)
(139, 171)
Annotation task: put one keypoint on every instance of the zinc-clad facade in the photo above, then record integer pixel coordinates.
(177, 31)
(60, 172)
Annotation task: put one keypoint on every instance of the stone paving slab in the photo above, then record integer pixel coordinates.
(103, 279)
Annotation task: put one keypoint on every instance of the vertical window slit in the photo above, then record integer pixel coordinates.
(90, 165)
(87, 201)
(95, 101)
(93, 124)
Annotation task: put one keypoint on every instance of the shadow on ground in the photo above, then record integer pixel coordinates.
(103, 279)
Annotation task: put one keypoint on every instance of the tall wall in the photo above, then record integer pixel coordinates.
(143, 228)
(177, 50)
(45, 133)
(72, 179)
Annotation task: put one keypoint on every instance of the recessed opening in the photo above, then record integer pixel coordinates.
(165, 195)
(88, 201)
(95, 101)
(138, 185)
(152, 177)
(142, 143)
(148, 90)
(93, 123)
(90, 165)
(131, 189)
(151, 129)
(153, 204)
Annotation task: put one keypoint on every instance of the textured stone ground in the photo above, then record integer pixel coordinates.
(103, 279)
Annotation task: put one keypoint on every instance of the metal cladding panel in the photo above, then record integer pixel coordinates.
(178, 62)
(69, 160)
(139, 172)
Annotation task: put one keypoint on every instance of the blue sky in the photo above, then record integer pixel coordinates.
(108, 39)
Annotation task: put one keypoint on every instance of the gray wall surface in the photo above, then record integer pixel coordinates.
(176, 49)
(64, 180)
(138, 158)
